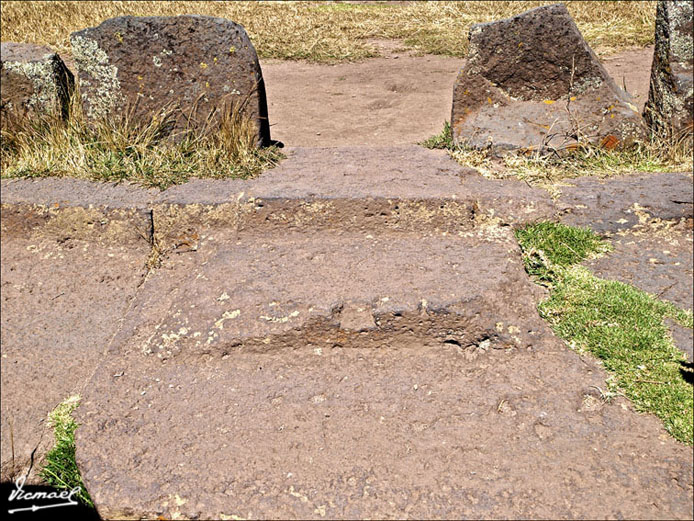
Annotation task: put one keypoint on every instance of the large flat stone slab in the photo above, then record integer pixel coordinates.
(413, 430)
(359, 188)
(609, 205)
(349, 376)
(655, 257)
(62, 301)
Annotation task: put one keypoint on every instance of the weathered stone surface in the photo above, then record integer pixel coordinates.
(33, 80)
(656, 257)
(616, 204)
(198, 64)
(670, 106)
(62, 299)
(531, 81)
(241, 385)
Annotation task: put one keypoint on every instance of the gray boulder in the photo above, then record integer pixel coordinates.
(33, 80)
(532, 82)
(196, 65)
(669, 109)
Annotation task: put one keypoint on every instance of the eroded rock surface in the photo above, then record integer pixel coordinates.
(196, 64)
(350, 335)
(33, 80)
(670, 106)
(448, 397)
(532, 82)
(62, 298)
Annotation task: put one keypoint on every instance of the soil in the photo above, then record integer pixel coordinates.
(395, 99)
(398, 98)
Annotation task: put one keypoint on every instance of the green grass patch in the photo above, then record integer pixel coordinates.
(60, 469)
(549, 245)
(442, 141)
(619, 324)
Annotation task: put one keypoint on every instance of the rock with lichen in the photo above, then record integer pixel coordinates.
(191, 67)
(669, 110)
(531, 82)
(33, 81)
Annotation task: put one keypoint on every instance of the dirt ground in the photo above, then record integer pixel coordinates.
(399, 98)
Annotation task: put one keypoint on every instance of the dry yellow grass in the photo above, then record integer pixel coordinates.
(331, 31)
(120, 149)
(657, 154)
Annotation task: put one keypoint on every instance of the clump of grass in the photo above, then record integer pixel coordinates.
(547, 245)
(121, 149)
(659, 154)
(621, 325)
(442, 141)
(328, 32)
(60, 469)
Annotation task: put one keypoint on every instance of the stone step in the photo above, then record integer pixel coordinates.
(353, 188)
(406, 188)
(348, 375)
(229, 291)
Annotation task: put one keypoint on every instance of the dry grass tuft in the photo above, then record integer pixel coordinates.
(660, 154)
(330, 31)
(587, 160)
(120, 149)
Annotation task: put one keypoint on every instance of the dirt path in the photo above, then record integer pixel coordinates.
(396, 99)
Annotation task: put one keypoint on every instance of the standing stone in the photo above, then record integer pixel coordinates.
(669, 109)
(33, 80)
(532, 82)
(197, 64)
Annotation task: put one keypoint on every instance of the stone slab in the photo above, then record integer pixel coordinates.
(654, 257)
(62, 299)
(346, 376)
(609, 205)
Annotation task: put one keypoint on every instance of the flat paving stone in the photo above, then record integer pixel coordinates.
(655, 258)
(619, 203)
(61, 304)
(345, 376)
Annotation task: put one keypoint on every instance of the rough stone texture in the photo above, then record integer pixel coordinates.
(452, 400)
(62, 299)
(404, 187)
(619, 203)
(670, 106)
(655, 256)
(683, 338)
(517, 89)
(350, 335)
(33, 80)
(195, 63)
